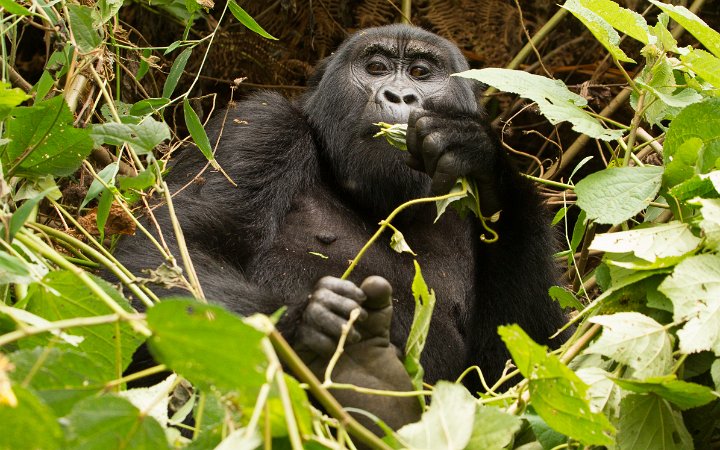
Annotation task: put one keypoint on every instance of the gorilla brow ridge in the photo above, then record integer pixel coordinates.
(411, 52)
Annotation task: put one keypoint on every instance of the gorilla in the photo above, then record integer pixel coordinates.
(312, 185)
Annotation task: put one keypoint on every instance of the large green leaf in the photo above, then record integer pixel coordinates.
(493, 429)
(9, 98)
(30, 425)
(599, 27)
(651, 243)
(614, 195)
(61, 377)
(647, 422)
(83, 27)
(682, 394)
(44, 137)
(694, 289)
(553, 98)
(448, 424)
(704, 64)
(112, 423)
(61, 295)
(143, 136)
(208, 345)
(558, 395)
(622, 19)
(635, 340)
(692, 144)
(695, 25)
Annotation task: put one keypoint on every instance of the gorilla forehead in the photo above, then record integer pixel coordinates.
(403, 41)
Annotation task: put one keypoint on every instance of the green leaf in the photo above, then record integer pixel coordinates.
(424, 306)
(245, 19)
(492, 429)
(60, 377)
(548, 438)
(603, 32)
(554, 99)
(696, 186)
(604, 395)
(107, 175)
(399, 244)
(663, 99)
(680, 393)
(148, 106)
(650, 243)
(44, 133)
(198, 133)
(635, 340)
(103, 211)
(692, 144)
(83, 27)
(30, 425)
(20, 216)
(143, 137)
(556, 392)
(43, 86)
(13, 7)
(394, 134)
(710, 224)
(622, 19)
(108, 9)
(109, 422)
(647, 422)
(61, 295)
(10, 98)
(142, 181)
(15, 270)
(703, 64)
(450, 417)
(694, 289)
(175, 72)
(200, 342)
(614, 195)
(693, 24)
(565, 298)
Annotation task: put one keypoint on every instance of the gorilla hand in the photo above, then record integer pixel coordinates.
(369, 359)
(448, 144)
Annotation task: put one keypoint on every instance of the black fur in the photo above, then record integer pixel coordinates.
(312, 179)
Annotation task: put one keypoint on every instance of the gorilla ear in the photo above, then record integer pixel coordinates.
(318, 72)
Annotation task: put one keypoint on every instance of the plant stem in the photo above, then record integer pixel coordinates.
(303, 373)
(384, 224)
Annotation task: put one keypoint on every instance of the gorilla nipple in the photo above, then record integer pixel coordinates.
(326, 237)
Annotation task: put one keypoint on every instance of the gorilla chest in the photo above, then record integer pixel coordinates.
(321, 236)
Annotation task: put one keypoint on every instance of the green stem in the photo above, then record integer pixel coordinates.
(556, 184)
(303, 373)
(41, 248)
(384, 224)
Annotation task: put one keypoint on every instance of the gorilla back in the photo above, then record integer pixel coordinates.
(313, 181)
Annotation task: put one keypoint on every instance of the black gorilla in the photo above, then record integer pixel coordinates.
(313, 181)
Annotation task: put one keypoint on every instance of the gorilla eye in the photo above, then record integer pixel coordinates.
(419, 71)
(376, 68)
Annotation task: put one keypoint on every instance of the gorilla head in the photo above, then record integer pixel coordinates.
(381, 75)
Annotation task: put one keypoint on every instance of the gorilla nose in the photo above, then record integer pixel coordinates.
(399, 97)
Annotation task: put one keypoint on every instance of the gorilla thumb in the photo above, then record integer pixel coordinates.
(378, 292)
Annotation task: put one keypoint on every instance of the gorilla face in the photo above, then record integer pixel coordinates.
(380, 75)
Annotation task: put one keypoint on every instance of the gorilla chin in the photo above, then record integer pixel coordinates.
(312, 179)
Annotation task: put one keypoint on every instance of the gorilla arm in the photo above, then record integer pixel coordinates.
(448, 144)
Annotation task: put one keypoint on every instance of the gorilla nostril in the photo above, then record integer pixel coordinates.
(410, 99)
(392, 97)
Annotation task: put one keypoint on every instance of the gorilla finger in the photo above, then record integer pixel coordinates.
(317, 341)
(342, 306)
(378, 291)
(346, 288)
(442, 183)
(328, 323)
(413, 163)
(431, 150)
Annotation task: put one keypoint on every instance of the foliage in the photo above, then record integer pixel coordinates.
(645, 355)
